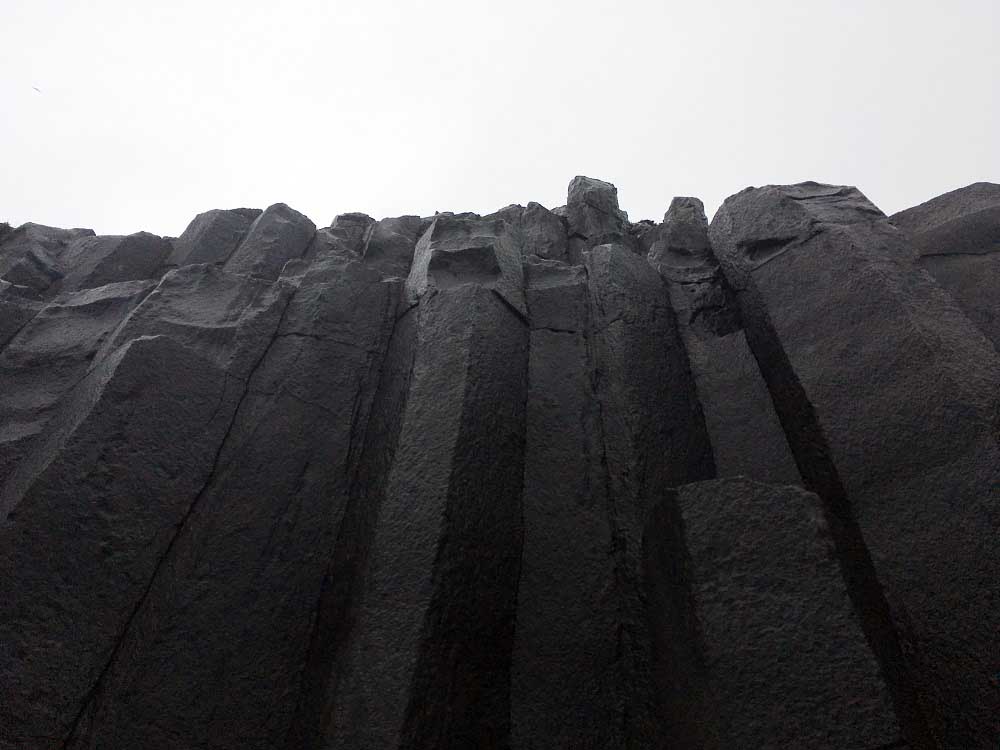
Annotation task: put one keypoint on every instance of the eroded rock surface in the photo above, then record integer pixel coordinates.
(957, 239)
(534, 479)
(889, 397)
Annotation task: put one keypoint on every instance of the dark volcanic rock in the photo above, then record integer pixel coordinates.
(278, 235)
(889, 397)
(427, 664)
(566, 689)
(450, 482)
(757, 638)
(78, 556)
(535, 230)
(50, 354)
(345, 237)
(95, 261)
(746, 436)
(212, 237)
(593, 217)
(29, 255)
(391, 243)
(18, 306)
(458, 250)
(260, 539)
(957, 238)
(604, 441)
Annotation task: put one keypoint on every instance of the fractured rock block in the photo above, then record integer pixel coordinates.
(18, 305)
(49, 355)
(460, 250)
(261, 538)
(957, 239)
(606, 436)
(278, 235)
(757, 641)
(106, 259)
(212, 236)
(592, 210)
(746, 435)
(391, 244)
(138, 438)
(225, 318)
(889, 398)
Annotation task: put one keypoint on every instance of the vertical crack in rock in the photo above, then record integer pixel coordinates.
(746, 438)
(72, 737)
(342, 588)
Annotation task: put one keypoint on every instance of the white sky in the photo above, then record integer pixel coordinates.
(152, 112)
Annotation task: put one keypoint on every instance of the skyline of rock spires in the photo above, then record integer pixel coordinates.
(538, 478)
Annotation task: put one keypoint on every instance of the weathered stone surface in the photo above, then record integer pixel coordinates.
(623, 437)
(138, 438)
(566, 686)
(225, 318)
(212, 237)
(592, 209)
(957, 238)
(745, 433)
(427, 664)
(260, 539)
(51, 240)
(18, 305)
(29, 255)
(535, 230)
(459, 250)
(391, 243)
(889, 397)
(278, 235)
(426, 482)
(754, 621)
(49, 355)
(95, 261)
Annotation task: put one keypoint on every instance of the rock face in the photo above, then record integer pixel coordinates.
(889, 397)
(534, 479)
(957, 239)
(756, 602)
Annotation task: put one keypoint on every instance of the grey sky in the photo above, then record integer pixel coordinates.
(150, 113)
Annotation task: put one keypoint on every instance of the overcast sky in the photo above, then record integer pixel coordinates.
(149, 113)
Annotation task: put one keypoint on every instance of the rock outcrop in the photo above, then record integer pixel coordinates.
(535, 479)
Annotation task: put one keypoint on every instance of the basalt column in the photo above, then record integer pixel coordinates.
(746, 436)
(427, 664)
(889, 397)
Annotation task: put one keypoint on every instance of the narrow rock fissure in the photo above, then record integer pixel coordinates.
(94, 691)
(342, 588)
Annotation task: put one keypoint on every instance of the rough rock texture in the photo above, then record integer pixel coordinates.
(889, 396)
(746, 435)
(452, 481)
(463, 249)
(957, 238)
(594, 218)
(600, 447)
(278, 235)
(29, 255)
(212, 237)
(50, 353)
(95, 261)
(776, 655)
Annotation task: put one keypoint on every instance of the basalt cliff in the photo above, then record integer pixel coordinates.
(536, 479)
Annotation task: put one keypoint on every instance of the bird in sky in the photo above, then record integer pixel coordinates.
(37, 89)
